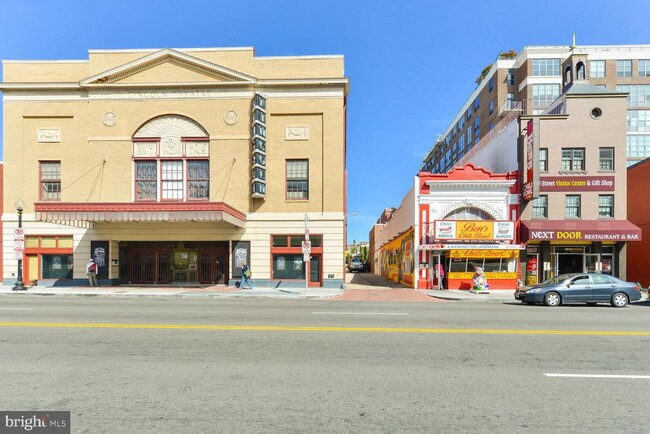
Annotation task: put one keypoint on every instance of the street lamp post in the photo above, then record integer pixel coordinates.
(20, 285)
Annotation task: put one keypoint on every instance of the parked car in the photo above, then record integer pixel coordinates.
(590, 288)
(356, 264)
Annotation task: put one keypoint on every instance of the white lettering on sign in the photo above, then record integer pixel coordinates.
(542, 235)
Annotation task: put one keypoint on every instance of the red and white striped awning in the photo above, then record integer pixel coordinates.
(86, 214)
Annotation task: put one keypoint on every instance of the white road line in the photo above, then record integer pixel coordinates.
(636, 377)
(16, 308)
(360, 313)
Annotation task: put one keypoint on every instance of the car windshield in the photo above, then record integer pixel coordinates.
(356, 260)
(557, 279)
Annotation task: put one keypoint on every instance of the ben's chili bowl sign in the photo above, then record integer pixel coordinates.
(584, 235)
(473, 230)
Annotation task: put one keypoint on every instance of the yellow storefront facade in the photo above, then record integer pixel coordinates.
(175, 167)
(398, 259)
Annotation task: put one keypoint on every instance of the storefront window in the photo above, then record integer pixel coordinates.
(458, 265)
(280, 241)
(56, 266)
(287, 266)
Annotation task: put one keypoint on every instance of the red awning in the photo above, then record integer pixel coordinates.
(85, 214)
(579, 230)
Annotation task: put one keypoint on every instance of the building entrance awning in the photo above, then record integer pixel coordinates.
(86, 214)
(579, 230)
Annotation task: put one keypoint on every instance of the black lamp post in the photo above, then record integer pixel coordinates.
(20, 285)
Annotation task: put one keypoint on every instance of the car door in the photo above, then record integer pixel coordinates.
(603, 287)
(578, 288)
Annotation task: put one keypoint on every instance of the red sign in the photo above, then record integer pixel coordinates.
(19, 234)
(586, 235)
(576, 183)
(528, 182)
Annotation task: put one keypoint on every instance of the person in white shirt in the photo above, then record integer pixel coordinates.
(91, 272)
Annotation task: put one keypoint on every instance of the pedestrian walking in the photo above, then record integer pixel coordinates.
(91, 272)
(246, 277)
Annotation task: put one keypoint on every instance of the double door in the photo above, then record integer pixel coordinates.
(565, 263)
(204, 263)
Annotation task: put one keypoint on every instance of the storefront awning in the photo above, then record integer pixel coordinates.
(579, 230)
(86, 214)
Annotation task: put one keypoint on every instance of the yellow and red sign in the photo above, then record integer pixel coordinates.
(476, 253)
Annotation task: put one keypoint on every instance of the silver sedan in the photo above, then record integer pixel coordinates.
(590, 288)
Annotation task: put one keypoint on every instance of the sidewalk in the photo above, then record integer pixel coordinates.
(455, 294)
(354, 294)
(211, 291)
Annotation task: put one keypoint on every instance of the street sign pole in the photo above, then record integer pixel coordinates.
(306, 255)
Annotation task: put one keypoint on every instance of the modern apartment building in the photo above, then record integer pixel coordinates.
(176, 166)
(527, 83)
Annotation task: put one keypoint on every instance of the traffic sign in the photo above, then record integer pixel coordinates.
(19, 234)
(19, 244)
(306, 246)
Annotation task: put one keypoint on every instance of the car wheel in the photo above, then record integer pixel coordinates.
(619, 300)
(552, 299)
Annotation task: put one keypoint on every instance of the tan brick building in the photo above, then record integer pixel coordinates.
(175, 166)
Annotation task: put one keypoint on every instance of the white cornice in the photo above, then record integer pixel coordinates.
(470, 184)
(34, 86)
(44, 61)
(304, 82)
(325, 56)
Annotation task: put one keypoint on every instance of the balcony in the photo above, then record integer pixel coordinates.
(509, 106)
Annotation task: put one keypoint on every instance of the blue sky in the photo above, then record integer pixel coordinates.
(411, 64)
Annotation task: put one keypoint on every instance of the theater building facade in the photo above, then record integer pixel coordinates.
(176, 167)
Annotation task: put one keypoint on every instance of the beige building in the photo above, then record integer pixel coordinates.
(176, 167)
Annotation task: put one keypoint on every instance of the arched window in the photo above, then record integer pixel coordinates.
(171, 155)
(580, 67)
(567, 75)
(468, 213)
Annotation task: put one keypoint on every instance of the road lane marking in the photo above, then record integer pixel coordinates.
(638, 377)
(16, 308)
(360, 313)
(324, 329)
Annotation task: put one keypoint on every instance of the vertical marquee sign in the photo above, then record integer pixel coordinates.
(258, 170)
(528, 170)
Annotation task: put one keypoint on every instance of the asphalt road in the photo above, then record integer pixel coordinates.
(166, 365)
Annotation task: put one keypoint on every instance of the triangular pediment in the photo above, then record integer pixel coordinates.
(168, 66)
